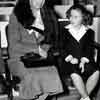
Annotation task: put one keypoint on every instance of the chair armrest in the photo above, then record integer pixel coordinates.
(96, 45)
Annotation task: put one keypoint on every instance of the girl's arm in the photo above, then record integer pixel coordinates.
(90, 51)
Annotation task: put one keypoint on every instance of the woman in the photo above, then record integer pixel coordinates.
(77, 52)
(22, 40)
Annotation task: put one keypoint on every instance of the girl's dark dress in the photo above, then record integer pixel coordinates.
(78, 49)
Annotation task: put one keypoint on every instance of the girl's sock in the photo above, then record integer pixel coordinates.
(87, 98)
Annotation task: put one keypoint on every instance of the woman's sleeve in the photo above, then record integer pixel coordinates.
(16, 46)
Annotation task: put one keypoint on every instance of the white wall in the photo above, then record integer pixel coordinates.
(67, 2)
(4, 11)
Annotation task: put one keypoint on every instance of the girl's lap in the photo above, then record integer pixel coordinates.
(90, 68)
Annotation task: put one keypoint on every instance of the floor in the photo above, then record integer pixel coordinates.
(73, 96)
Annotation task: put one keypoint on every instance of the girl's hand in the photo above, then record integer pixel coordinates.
(82, 63)
(81, 66)
(68, 58)
(74, 61)
(84, 60)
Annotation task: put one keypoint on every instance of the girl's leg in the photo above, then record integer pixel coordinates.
(92, 82)
(79, 84)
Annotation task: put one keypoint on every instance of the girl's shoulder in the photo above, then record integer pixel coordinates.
(90, 32)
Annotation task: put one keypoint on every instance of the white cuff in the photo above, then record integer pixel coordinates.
(87, 98)
(68, 58)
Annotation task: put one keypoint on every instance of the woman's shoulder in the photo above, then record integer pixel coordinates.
(13, 17)
(14, 21)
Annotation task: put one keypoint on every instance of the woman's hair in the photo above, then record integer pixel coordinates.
(23, 12)
(87, 15)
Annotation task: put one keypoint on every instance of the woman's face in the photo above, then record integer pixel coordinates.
(37, 4)
(76, 17)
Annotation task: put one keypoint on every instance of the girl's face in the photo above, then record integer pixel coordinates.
(76, 17)
(37, 4)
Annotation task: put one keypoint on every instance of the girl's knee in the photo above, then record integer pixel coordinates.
(94, 76)
(75, 76)
(96, 73)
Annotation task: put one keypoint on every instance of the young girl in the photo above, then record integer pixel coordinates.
(77, 52)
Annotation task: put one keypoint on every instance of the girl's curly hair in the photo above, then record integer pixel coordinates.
(87, 15)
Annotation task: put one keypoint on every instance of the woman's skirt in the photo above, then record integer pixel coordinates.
(36, 81)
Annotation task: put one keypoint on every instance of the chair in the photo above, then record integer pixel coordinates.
(8, 78)
(96, 45)
(6, 75)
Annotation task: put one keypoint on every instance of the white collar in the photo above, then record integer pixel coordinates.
(36, 23)
(38, 14)
(77, 34)
(70, 26)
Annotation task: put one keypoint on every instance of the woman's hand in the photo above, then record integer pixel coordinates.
(45, 47)
(43, 53)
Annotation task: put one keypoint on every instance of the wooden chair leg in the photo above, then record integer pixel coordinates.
(10, 94)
